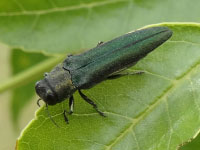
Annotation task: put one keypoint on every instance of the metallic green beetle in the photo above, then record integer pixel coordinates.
(98, 64)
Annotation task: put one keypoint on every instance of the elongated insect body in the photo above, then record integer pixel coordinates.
(98, 64)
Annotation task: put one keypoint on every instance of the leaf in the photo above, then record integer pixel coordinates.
(193, 144)
(156, 110)
(20, 61)
(59, 26)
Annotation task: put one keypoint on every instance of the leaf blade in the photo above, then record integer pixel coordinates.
(155, 110)
(78, 25)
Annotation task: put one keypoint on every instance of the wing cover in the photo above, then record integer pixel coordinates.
(95, 65)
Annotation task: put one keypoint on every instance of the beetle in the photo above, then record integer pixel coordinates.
(105, 61)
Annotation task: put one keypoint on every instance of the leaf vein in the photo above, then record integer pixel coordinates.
(134, 136)
(170, 124)
(183, 41)
(61, 9)
(194, 96)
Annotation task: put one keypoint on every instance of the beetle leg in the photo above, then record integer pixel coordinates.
(65, 117)
(71, 104)
(118, 75)
(45, 74)
(69, 55)
(99, 43)
(50, 117)
(38, 102)
(91, 103)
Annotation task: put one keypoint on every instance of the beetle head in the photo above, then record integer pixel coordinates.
(45, 92)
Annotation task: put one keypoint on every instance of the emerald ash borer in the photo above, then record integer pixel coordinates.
(105, 61)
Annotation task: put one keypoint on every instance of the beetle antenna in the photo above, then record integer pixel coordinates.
(50, 116)
(38, 102)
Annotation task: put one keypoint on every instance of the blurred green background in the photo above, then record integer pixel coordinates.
(8, 132)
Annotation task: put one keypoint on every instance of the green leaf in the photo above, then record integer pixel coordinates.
(21, 61)
(58, 26)
(193, 144)
(159, 109)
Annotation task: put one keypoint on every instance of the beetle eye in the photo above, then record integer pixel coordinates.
(40, 90)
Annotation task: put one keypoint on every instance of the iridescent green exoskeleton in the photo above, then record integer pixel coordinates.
(98, 64)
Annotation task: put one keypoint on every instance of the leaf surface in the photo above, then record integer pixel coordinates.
(159, 109)
(60, 26)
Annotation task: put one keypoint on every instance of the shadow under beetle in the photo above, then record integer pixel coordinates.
(103, 62)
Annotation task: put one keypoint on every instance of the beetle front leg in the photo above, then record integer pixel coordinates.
(71, 104)
(65, 117)
(100, 43)
(91, 103)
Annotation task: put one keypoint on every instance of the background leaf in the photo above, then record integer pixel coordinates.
(156, 110)
(60, 26)
(20, 61)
